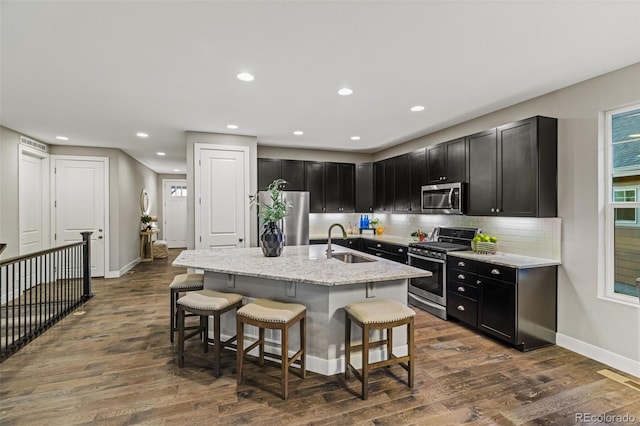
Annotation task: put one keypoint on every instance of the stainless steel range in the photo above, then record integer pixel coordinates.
(430, 293)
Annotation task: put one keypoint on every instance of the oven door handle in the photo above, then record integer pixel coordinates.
(429, 259)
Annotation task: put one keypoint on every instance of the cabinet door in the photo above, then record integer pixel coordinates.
(482, 194)
(293, 173)
(364, 188)
(389, 184)
(456, 161)
(402, 183)
(331, 188)
(346, 187)
(418, 179)
(378, 185)
(517, 169)
(436, 163)
(269, 169)
(497, 308)
(314, 183)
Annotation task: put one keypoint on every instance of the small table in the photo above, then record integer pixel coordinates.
(146, 245)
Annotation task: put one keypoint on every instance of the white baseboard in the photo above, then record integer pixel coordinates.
(124, 270)
(604, 356)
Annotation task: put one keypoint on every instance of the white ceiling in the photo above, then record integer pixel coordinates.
(98, 72)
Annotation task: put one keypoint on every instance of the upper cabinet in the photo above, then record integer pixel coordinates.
(417, 160)
(513, 169)
(446, 162)
(402, 183)
(331, 187)
(364, 187)
(398, 182)
(270, 169)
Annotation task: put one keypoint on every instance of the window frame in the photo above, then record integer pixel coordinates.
(607, 283)
(623, 222)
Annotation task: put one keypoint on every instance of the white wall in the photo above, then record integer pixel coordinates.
(602, 329)
(9, 217)
(219, 139)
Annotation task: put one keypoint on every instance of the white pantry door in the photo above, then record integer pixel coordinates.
(79, 203)
(174, 212)
(33, 187)
(222, 203)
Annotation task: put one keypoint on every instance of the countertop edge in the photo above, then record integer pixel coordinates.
(517, 261)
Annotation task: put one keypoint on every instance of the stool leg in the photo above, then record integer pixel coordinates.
(240, 349)
(389, 343)
(285, 361)
(410, 350)
(172, 316)
(204, 325)
(303, 344)
(365, 361)
(216, 342)
(261, 339)
(180, 337)
(347, 346)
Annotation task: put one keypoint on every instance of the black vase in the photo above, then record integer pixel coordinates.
(271, 240)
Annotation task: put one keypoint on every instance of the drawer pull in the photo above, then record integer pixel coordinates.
(495, 272)
(460, 308)
(461, 289)
(461, 264)
(400, 250)
(478, 282)
(378, 254)
(461, 276)
(378, 245)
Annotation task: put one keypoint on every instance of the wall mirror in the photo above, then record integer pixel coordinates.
(144, 202)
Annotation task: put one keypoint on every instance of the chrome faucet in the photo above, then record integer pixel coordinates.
(344, 236)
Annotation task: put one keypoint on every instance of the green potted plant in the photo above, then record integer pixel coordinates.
(272, 211)
(146, 220)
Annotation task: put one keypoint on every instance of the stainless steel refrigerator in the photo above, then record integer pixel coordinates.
(295, 225)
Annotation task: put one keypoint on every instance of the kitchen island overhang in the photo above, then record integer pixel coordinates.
(303, 274)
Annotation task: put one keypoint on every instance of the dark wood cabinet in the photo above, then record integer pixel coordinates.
(446, 162)
(513, 169)
(389, 184)
(270, 169)
(378, 185)
(314, 183)
(401, 183)
(364, 188)
(517, 306)
(417, 160)
(339, 187)
(389, 251)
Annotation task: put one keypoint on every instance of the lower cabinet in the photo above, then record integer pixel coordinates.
(389, 251)
(516, 306)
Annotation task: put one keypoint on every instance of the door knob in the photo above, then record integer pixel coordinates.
(99, 230)
(240, 239)
(99, 237)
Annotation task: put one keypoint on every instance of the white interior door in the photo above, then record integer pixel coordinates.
(80, 188)
(174, 212)
(222, 197)
(33, 200)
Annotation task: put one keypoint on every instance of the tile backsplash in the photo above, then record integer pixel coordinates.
(538, 237)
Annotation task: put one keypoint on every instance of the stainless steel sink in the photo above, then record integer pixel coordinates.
(351, 258)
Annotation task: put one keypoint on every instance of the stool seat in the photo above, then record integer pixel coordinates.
(208, 300)
(379, 311)
(187, 281)
(272, 315)
(271, 311)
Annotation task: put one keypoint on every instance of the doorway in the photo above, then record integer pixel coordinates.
(174, 212)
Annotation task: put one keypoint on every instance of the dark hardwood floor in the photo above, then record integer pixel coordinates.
(111, 363)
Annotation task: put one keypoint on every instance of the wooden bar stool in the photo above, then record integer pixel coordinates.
(264, 313)
(206, 303)
(182, 283)
(378, 315)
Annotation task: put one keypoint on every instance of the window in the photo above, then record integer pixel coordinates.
(622, 230)
(178, 191)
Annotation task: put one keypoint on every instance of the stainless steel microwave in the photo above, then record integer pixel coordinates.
(445, 198)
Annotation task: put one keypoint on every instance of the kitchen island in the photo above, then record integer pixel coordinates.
(303, 274)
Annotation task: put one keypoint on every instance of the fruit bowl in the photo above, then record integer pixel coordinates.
(483, 247)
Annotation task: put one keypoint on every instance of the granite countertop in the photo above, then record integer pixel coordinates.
(299, 264)
(507, 259)
(387, 238)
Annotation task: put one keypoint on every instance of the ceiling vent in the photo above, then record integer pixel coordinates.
(33, 144)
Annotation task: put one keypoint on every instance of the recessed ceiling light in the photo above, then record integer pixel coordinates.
(245, 76)
(298, 133)
(232, 126)
(62, 138)
(634, 135)
(161, 154)
(355, 138)
(345, 91)
(142, 135)
(417, 108)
